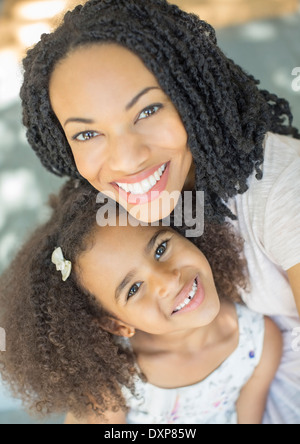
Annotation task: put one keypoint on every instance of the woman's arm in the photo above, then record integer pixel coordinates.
(252, 402)
(294, 277)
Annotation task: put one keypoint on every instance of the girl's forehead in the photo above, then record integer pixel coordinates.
(123, 245)
(127, 233)
(114, 250)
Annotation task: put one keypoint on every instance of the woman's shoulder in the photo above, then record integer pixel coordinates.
(281, 173)
(279, 140)
(279, 152)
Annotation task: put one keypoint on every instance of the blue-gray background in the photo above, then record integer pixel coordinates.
(268, 49)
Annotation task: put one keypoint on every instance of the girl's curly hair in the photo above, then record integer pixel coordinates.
(58, 357)
(225, 114)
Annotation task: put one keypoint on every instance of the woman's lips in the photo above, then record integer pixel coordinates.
(155, 191)
(141, 176)
(184, 294)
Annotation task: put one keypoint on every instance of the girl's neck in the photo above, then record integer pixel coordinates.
(186, 341)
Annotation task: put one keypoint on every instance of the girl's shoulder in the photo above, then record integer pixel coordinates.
(251, 333)
(249, 323)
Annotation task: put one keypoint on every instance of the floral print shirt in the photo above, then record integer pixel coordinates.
(212, 401)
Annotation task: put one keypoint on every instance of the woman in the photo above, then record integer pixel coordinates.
(137, 98)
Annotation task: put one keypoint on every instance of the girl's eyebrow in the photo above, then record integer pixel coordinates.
(132, 273)
(152, 241)
(124, 283)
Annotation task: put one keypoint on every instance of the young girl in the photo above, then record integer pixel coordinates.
(146, 333)
(136, 97)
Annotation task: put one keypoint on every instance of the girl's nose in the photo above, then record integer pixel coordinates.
(127, 154)
(168, 282)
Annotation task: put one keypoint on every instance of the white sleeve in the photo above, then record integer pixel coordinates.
(282, 218)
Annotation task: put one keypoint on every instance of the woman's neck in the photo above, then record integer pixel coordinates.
(189, 184)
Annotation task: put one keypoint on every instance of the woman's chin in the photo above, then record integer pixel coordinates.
(156, 210)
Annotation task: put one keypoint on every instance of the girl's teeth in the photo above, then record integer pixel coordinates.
(145, 186)
(189, 299)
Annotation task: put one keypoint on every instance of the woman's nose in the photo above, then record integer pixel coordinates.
(127, 154)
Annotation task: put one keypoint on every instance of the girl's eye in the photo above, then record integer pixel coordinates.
(134, 289)
(148, 112)
(85, 136)
(161, 250)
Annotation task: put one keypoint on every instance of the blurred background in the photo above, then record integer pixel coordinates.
(260, 35)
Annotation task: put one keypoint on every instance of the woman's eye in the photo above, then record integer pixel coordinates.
(148, 112)
(161, 250)
(85, 136)
(134, 289)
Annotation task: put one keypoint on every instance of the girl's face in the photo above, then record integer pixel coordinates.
(158, 282)
(126, 136)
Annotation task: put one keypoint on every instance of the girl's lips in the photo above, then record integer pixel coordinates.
(195, 302)
(154, 193)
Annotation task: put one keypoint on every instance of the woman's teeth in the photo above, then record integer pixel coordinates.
(189, 299)
(145, 185)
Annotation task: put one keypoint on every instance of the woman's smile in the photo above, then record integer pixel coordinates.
(151, 184)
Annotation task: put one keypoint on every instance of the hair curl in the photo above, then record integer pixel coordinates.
(59, 358)
(225, 114)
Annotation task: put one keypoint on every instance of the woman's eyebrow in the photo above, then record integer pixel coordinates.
(138, 96)
(78, 120)
(127, 108)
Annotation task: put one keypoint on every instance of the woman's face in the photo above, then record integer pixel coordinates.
(126, 136)
(158, 282)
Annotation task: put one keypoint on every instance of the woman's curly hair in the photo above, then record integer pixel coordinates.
(58, 356)
(225, 115)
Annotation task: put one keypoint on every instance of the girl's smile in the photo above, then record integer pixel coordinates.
(187, 300)
(125, 134)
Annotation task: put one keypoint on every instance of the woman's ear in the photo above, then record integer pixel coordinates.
(117, 327)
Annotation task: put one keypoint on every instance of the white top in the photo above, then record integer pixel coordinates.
(269, 221)
(211, 401)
